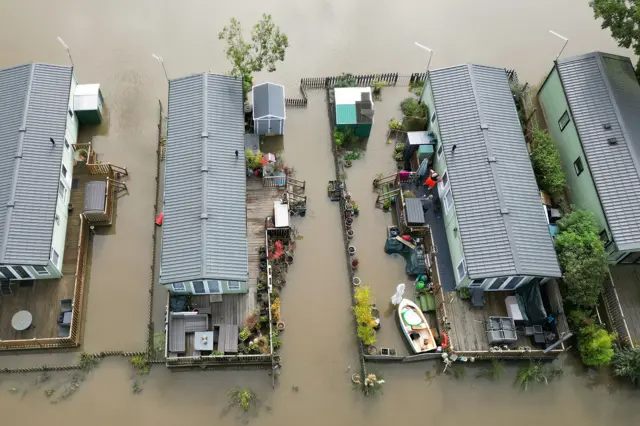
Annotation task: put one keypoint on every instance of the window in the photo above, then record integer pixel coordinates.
(433, 117)
(497, 283)
(564, 120)
(55, 257)
(198, 287)
(578, 167)
(477, 283)
(62, 190)
(179, 287)
(64, 171)
(440, 151)
(6, 272)
(41, 270)
(21, 272)
(513, 283)
(66, 143)
(462, 270)
(233, 285)
(214, 287)
(448, 201)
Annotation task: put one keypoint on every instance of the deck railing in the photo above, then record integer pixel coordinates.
(75, 337)
(614, 311)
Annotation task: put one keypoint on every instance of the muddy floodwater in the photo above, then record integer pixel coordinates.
(111, 43)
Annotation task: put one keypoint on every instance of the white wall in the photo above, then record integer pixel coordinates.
(62, 210)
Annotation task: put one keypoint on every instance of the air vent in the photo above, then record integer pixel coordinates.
(612, 141)
(606, 126)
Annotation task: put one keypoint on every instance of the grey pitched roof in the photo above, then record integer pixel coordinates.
(34, 100)
(502, 225)
(602, 89)
(205, 225)
(268, 100)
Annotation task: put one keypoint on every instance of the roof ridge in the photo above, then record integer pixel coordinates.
(204, 169)
(16, 171)
(484, 126)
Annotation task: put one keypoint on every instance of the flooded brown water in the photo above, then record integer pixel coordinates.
(111, 43)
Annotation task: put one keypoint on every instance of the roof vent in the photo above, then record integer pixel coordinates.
(612, 141)
(606, 126)
(504, 210)
(484, 126)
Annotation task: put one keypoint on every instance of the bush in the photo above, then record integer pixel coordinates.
(244, 334)
(346, 80)
(582, 257)
(338, 138)
(362, 312)
(411, 107)
(141, 364)
(252, 160)
(595, 345)
(395, 125)
(546, 163)
(626, 364)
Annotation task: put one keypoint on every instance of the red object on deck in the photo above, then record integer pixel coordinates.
(407, 238)
(430, 183)
(159, 219)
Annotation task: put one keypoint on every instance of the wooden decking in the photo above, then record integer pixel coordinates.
(232, 310)
(42, 297)
(626, 279)
(259, 205)
(468, 329)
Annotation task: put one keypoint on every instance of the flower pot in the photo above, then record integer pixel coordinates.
(348, 213)
(348, 221)
(348, 163)
(348, 206)
(356, 281)
(288, 259)
(355, 378)
(354, 263)
(352, 251)
(350, 234)
(280, 325)
(372, 350)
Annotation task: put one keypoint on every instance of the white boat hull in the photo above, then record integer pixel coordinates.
(416, 331)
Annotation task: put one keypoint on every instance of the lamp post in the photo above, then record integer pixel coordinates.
(428, 50)
(67, 49)
(566, 40)
(161, 61)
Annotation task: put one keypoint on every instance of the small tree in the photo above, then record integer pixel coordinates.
(267, 47)
(626, 364)
(546, 163)
(582, 258)
(595, 345)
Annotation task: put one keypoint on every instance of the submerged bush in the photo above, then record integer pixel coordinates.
(626, 364)
(411, 107)
(595, 345)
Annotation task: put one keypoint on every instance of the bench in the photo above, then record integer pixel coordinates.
(180, 324)
(227, 338)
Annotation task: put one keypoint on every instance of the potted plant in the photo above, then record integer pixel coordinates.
(386, 206)
(356, 281)
(348, 222)
(82, 154)
(352, 251)
(348, 163)
(350, 234)
(398, 156)
(464, 293)
(354, 263)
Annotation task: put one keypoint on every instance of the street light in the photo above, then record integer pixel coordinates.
(428, 50)
(566, 40)
(161, 61)
(67, 49)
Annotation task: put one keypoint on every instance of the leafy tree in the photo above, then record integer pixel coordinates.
(626, 364)
(595, 345)
(411, 107)
(622, 18)
(582, 257)
(266, 48)
(546, 163)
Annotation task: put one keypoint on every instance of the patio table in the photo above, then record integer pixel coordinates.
(203, 341)
(21, 320)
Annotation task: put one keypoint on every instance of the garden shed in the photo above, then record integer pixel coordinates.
(268, 109)
(87, 103)
(354, 109)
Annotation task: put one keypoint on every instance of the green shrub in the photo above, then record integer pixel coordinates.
(141, 364)
(626, 364)
(244, 334)
(595, 345)
(367, 334)
(362, 312)
(395, 125)
(582, 257)
(411, 107)
(252, 160)
(399, 147)
(547, 167)
(346, 80)
(338, 137)
(276, 342)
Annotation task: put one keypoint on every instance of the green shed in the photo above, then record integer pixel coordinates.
(354, 109)
(87, 103)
